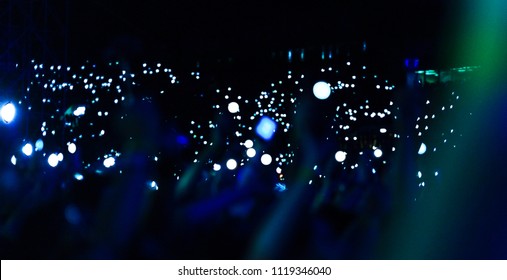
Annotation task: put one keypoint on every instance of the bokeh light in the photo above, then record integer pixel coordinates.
(53, 160)
(109, 162)
(233, 107)
(266, 128)
(72, 148)
(340, 156)
(231, 164)
(266, 159)
(27, 149)
(321, 90)
(8, 112)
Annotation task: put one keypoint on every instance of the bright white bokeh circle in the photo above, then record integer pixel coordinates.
(340, 156)
(217, 167)
(233, 107)
(321, 90)
(27, 149)
(231, 164)
(72, 148)
(251, 152)
(53, 160)
(249, 143)
(266, 159)
(8, 112)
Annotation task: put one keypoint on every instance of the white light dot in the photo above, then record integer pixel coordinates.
(53, 160)
(233, 107)
(266, 159)
(80, 111)
(422, 149)
(60, 157)
(78, 177)
(419, 174)
(231, 164)
(14, 160)
(251, 152)
(109, 162)
(217, 167)
(321, 90)
(8, 112)
(340, 156)
(383, 130)
(153, 185)
(377, 153)
(72, 148)
(248, 143)
(27, 149)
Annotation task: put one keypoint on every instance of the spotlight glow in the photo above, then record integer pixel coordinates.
(53, 160)
(340, 156)
(8, 112)
(321, 90)
(27, 149)
(266, 159)
(232, 164)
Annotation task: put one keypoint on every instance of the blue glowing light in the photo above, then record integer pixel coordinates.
(340, 156)
(182, 140)
(8, 112)
(72, 215)
(321, 90)
(153, 185)
(266, 128)
(78, 177)
(280, 187)
(72, 148)
(39, 145)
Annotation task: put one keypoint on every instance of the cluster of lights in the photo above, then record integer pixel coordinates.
(359, 99)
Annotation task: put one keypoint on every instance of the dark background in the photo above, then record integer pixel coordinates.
(211, 29)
